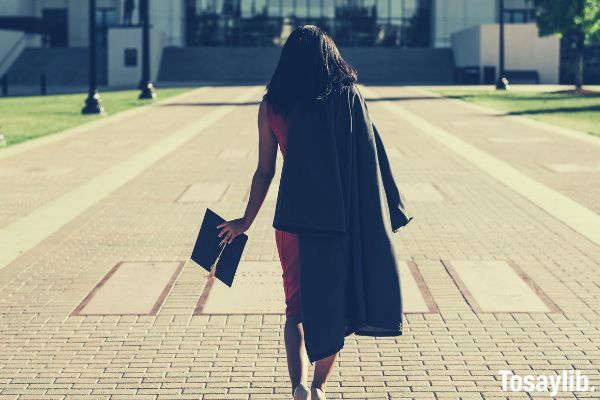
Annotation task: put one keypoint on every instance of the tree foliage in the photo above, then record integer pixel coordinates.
(577, 20)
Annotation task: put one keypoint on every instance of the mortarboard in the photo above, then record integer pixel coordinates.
(207, 250)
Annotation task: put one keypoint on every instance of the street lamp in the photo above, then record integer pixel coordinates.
(502, 83)
(147, 86)
(93, 104)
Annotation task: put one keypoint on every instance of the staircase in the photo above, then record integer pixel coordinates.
(62, 66)
(375, 65)
(223, 64)
(409, 66)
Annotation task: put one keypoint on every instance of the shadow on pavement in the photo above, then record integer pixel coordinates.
(211, 104)
(555, 110)
(549, 97)
(403, 98)
(253, 103)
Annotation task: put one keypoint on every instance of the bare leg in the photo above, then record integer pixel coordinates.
(296, 354)
(322, 370)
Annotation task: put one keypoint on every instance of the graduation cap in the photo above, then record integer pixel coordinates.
(207, 250)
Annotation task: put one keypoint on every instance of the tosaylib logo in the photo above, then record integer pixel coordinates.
(567, 381)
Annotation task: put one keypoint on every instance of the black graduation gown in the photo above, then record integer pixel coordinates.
(338, 194)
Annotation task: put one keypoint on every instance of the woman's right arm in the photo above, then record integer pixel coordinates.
(261, 180)
(265, 170)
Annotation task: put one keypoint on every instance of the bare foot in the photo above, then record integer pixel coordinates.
(317, 394)
(301, 393)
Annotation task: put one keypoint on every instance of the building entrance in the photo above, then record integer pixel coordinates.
(105, 18)
(397, 23)
(56, 27)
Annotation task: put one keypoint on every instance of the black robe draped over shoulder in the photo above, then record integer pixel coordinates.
(337, 192)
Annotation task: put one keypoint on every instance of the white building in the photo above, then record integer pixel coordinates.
(381, 27)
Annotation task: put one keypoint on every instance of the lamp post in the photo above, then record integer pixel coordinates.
(502, 82)
(147, 86)
(93, 105)
(403, 23)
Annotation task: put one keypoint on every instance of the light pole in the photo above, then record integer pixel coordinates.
(403, 23)
(93, 105)
(147, 86)
(502, 82)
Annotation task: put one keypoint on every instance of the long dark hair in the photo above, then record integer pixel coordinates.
(310, 68)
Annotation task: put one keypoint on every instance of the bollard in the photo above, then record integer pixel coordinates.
(5, 85)
(43, 86)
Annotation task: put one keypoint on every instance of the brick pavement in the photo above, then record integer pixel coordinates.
(567, 165)
(453, 353)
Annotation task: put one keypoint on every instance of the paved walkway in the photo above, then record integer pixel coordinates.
(97, 300)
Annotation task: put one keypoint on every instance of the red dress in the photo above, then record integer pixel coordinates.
(287, 243)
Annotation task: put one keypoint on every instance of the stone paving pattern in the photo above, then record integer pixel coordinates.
(530, 149)
(454, 353)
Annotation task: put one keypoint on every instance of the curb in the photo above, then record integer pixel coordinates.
(58, 136)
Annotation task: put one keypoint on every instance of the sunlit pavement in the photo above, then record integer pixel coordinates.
(500, 268)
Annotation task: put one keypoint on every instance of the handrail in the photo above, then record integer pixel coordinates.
(12, 49)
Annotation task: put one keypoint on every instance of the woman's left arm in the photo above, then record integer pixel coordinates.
(265, 170)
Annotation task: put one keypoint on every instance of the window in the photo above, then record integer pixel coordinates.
(351, 22)
(518, 16)
(105, 18)
(56, 24)
(131, 57)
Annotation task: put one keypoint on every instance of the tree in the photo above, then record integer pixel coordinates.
(576, 20)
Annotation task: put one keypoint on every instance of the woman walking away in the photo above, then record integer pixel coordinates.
(337, 207)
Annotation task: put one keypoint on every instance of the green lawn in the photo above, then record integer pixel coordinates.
(24, 118)
(576, 111)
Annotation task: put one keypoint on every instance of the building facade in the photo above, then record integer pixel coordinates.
(65, 22)
(376, 24)
(404, 23)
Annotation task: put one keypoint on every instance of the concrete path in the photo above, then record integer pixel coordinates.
(97, 300)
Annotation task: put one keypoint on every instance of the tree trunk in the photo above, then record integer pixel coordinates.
(579, 64)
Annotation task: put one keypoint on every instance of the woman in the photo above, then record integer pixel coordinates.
(332, 221)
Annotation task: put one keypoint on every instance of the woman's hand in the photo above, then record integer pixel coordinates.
(231, 229)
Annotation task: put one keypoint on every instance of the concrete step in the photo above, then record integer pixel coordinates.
(256, 64)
